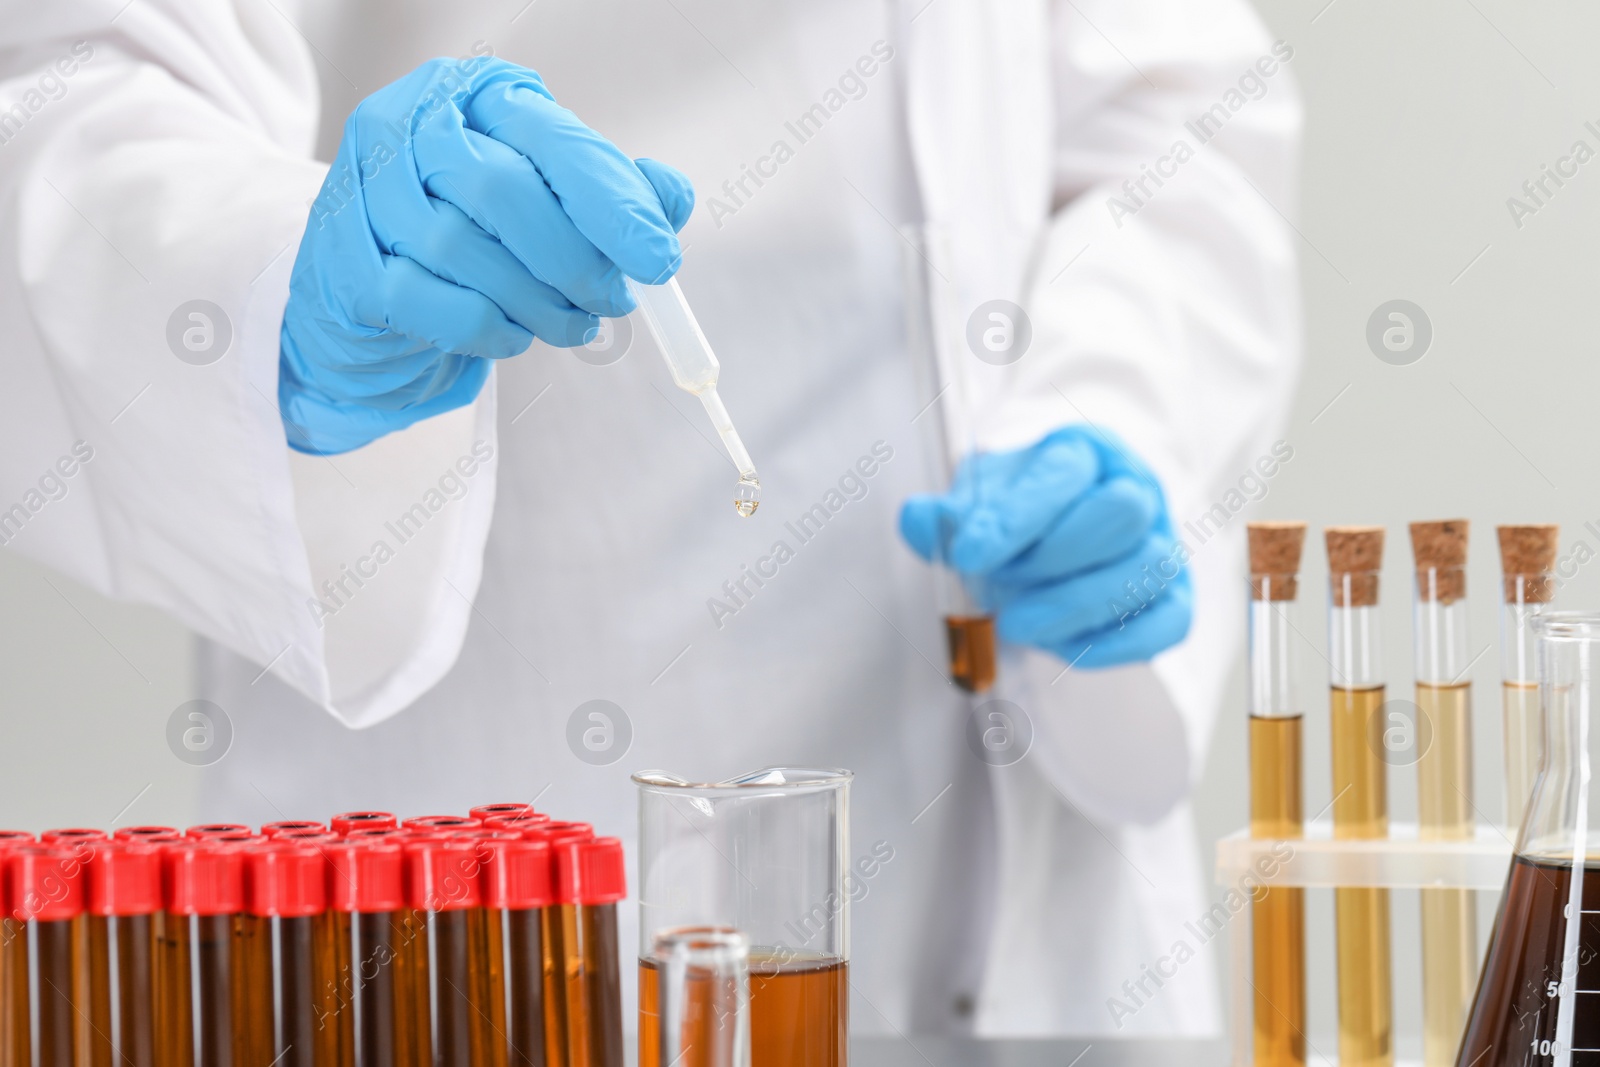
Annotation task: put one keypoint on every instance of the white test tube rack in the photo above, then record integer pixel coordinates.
(1317, 861)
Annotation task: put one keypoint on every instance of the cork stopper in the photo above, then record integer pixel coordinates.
(1354, 555)
(1275, 559)
(1441, 548)
(1527, 556)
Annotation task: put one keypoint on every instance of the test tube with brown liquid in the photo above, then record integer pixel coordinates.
(286, 1018)
(517, 887)
(590, 880)
(16, 1048)
(442, 884)
(1527, 558)
(368, 905)
(47, 894)
(1444, 778)
(1360, 791)
(124, 898)
(203, 981)
(558, 929)
(1278, 936)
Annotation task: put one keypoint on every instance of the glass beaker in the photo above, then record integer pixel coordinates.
(1538, 999)
(765, 854)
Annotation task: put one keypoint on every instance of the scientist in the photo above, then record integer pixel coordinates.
(378, 432)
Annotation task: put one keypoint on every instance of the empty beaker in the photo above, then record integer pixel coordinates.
(765, 855)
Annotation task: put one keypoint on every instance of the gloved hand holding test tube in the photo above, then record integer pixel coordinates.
(694, 369)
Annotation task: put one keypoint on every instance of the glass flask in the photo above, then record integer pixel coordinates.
(1538, 999)
(765, 855)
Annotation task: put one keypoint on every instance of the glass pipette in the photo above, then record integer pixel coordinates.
(694, 370)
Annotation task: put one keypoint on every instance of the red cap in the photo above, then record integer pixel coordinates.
(125, 879)
(204, 878)
(147, 833)
(286, 878)
(364, 874)
(560, 833)
(307, 837)
(519, 823)
(212, 829)
(443, 875)
(484, 812)
(43, 883)
(517, 874)
(278, 829)
(440, 822)
(362, 820)
(72, 836)
(375, 832)
(590, 872)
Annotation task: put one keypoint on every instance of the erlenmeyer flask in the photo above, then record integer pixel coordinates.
(1538, 999)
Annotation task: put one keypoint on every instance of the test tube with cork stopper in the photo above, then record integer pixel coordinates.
(1360, 791)
(1276, 794)
(1528, 587)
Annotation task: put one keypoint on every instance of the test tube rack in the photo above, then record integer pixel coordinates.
(1317, 861)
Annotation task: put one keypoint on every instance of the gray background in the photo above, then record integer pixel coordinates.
(1422, 118)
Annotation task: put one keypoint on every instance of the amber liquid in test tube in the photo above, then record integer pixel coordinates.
(558, 929)
(517, 887)
(46, 890)
(589, 882)
(1360, 792)
(1527, 559)
(290, 960)
(202, 980)
(1278, 938)
(368, 911)
(124, 894)
(443, 886)
(1444, 779)
(16, 1049)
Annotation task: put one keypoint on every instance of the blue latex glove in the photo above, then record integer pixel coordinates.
(1048, 538)
(465, 214)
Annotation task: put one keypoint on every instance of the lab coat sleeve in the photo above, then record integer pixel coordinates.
(1164, 308)
(155, 177)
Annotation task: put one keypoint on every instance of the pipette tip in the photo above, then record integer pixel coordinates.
(747, 495)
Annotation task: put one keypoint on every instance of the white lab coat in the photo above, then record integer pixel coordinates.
(168, 158)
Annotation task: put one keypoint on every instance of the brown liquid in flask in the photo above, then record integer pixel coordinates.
(972, 651)
(798, 1012)
(1516, 1013)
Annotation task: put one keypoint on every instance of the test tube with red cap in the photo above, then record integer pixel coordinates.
(518, 885)
(517, 823)
(148, 834)
(426, 823)
(367, 904)
(124, 898)
(555, 921)
(443, 885)
(215, 829)
(287, 904)
(590, 880)
(15, 1047)
(292, 826)
(204, 906)
(515, 809)
(345, 822)
(46, 890)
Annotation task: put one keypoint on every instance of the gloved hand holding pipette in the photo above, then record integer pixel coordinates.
(465, 214)
(1047, 538)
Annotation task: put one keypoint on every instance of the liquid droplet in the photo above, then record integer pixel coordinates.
(747, 496)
